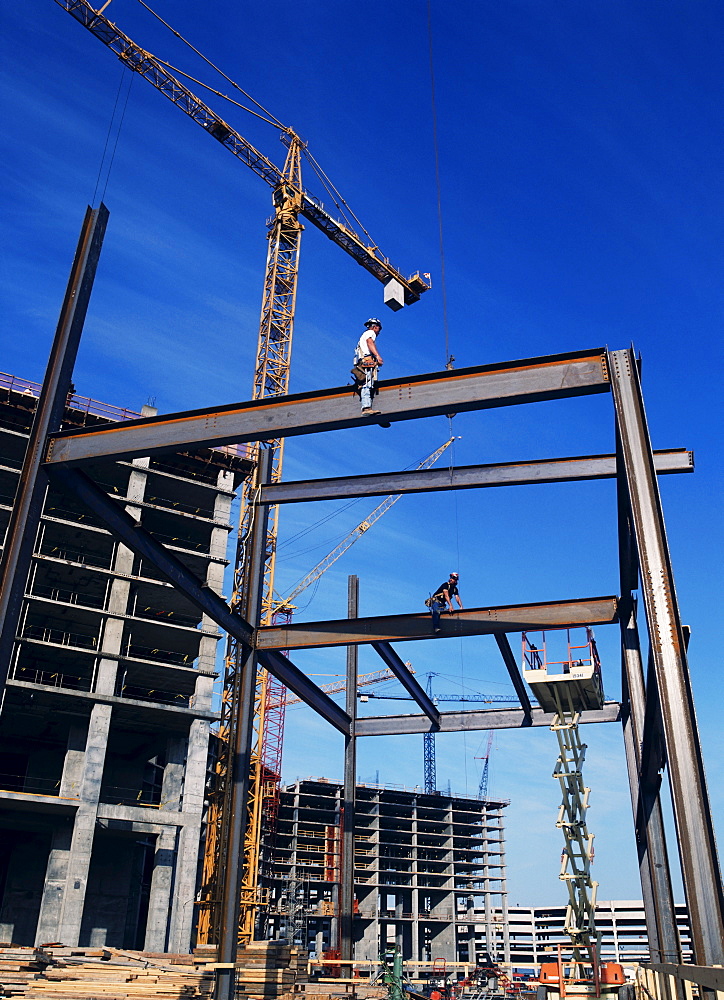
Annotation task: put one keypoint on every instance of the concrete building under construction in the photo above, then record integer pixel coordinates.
(423, 866)
(104, 729)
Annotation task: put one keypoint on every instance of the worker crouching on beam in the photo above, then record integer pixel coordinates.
(442, 600)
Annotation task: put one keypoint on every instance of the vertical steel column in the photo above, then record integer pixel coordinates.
(28, 504)
(346, 916)
(692, 814)
(232, 873)
(654, 870)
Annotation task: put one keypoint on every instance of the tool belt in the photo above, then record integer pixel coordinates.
(362, 366)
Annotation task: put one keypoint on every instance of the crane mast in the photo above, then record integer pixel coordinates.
(271, 378)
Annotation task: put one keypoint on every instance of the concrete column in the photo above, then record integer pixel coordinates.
(66, 880)
(182, 907)
(159, 902)
(470, 915)
(72, 776)
(215, 580)
(192, 801)
(196, 747)
(490, 944)
(173, 773)
(415, 892)
(112, 636)
(504, 890)
(56, 869)
(444, 944)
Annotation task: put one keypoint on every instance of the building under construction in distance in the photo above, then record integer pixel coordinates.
(425, 867)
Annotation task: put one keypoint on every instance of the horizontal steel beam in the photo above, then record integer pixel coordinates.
(131, 533)
(292, 677)
(467, 477)
(526, 381)
(474, 621)
(402, 673)
(491, 718)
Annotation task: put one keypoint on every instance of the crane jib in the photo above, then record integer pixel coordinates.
(147, 65)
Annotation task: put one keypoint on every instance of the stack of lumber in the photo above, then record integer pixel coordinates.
(18, 966)
(108, 974)
(264, 970)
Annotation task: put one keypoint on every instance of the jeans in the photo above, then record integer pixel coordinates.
(436, 609)
(365, 394)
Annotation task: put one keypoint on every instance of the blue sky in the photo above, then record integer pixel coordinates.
(580, 193)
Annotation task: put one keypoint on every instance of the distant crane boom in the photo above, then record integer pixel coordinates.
(499, 699)
(334, 687)
(332, 557)
(483, 787)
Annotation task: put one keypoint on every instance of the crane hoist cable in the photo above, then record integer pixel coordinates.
(108, 137)
(436, 145)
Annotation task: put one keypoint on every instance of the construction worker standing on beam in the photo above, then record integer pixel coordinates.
(367, 360)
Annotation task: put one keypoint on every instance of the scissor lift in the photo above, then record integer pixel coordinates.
(566, 688)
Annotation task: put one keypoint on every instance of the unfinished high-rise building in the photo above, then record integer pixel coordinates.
(104, 727)
(424, 866)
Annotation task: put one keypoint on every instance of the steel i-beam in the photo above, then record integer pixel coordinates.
(512, 382)
(472, 621)
(28, 504)
(142, 542)
(346, 921)
(491, 718)
(410, 684)
(654, 869)
(467, 477)
(514, 673)
(692, 813)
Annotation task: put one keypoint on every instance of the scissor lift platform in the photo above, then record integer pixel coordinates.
(574, 683)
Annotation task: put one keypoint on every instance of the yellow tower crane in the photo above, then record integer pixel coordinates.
(271, 378)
